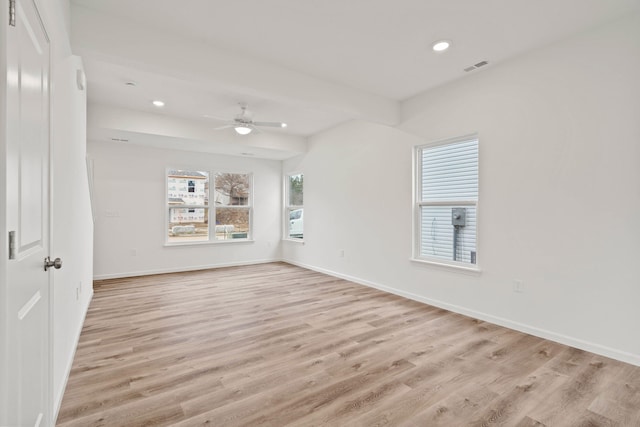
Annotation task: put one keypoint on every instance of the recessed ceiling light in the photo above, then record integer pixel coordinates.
(441, 45)
(158, 103)
(283, 125)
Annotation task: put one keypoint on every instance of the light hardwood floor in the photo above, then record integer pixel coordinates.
(276, 345)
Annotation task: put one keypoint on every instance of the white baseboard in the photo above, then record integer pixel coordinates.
(612, 353)
(180, 269)
(58, 404)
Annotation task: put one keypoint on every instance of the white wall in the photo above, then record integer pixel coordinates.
(357, 198)
(130, 180)
(72, 231)
(559, 194)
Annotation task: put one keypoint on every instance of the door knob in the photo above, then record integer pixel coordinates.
(56, 263)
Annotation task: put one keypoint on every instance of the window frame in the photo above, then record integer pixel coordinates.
(210, 207)
(288, 208)
(418, 204)
(248, 206)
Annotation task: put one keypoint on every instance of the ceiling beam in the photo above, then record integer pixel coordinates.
(112, 124)
(126, 43)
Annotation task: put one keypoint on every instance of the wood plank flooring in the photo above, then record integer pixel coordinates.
(276, 345)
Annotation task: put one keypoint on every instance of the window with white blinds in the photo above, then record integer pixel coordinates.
(446, 202)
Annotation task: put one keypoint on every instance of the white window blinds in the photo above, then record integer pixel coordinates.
(450, 172)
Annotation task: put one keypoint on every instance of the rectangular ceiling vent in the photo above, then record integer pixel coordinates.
(476, 66)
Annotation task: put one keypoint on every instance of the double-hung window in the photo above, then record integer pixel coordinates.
(294, 211)
(446, 201)
(200, 212)
(232, 205)
(188, 206)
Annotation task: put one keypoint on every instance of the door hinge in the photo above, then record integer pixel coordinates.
(12, 13)
(12, 245)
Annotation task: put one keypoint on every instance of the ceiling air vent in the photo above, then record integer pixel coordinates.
(475, 66)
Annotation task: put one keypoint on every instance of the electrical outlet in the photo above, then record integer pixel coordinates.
(518, 286)
(134, 252)
(341, 253)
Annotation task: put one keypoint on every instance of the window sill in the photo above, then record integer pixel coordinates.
(288, 239)
(458, 268)
(208, 243)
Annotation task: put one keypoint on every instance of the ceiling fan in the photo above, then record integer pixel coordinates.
(243, 123)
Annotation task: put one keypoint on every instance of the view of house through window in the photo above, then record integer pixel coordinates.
(447, 182)
(188, 200)
(294, 210)
(190, 213)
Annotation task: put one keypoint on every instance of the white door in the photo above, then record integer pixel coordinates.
(27, 166)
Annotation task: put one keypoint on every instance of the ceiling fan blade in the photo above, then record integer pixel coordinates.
(270, 124)
(211, 116)
(223, 127)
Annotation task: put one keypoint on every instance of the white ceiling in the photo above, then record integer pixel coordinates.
(312, 64)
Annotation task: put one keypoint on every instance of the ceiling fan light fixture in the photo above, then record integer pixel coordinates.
(283, 125)
(242, 130)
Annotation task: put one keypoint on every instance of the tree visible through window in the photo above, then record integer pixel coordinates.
(232, 210)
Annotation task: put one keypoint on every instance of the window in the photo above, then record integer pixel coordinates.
(232, 209)
(188, 203)
(190, 213)
(294, 212)
(446, 201)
